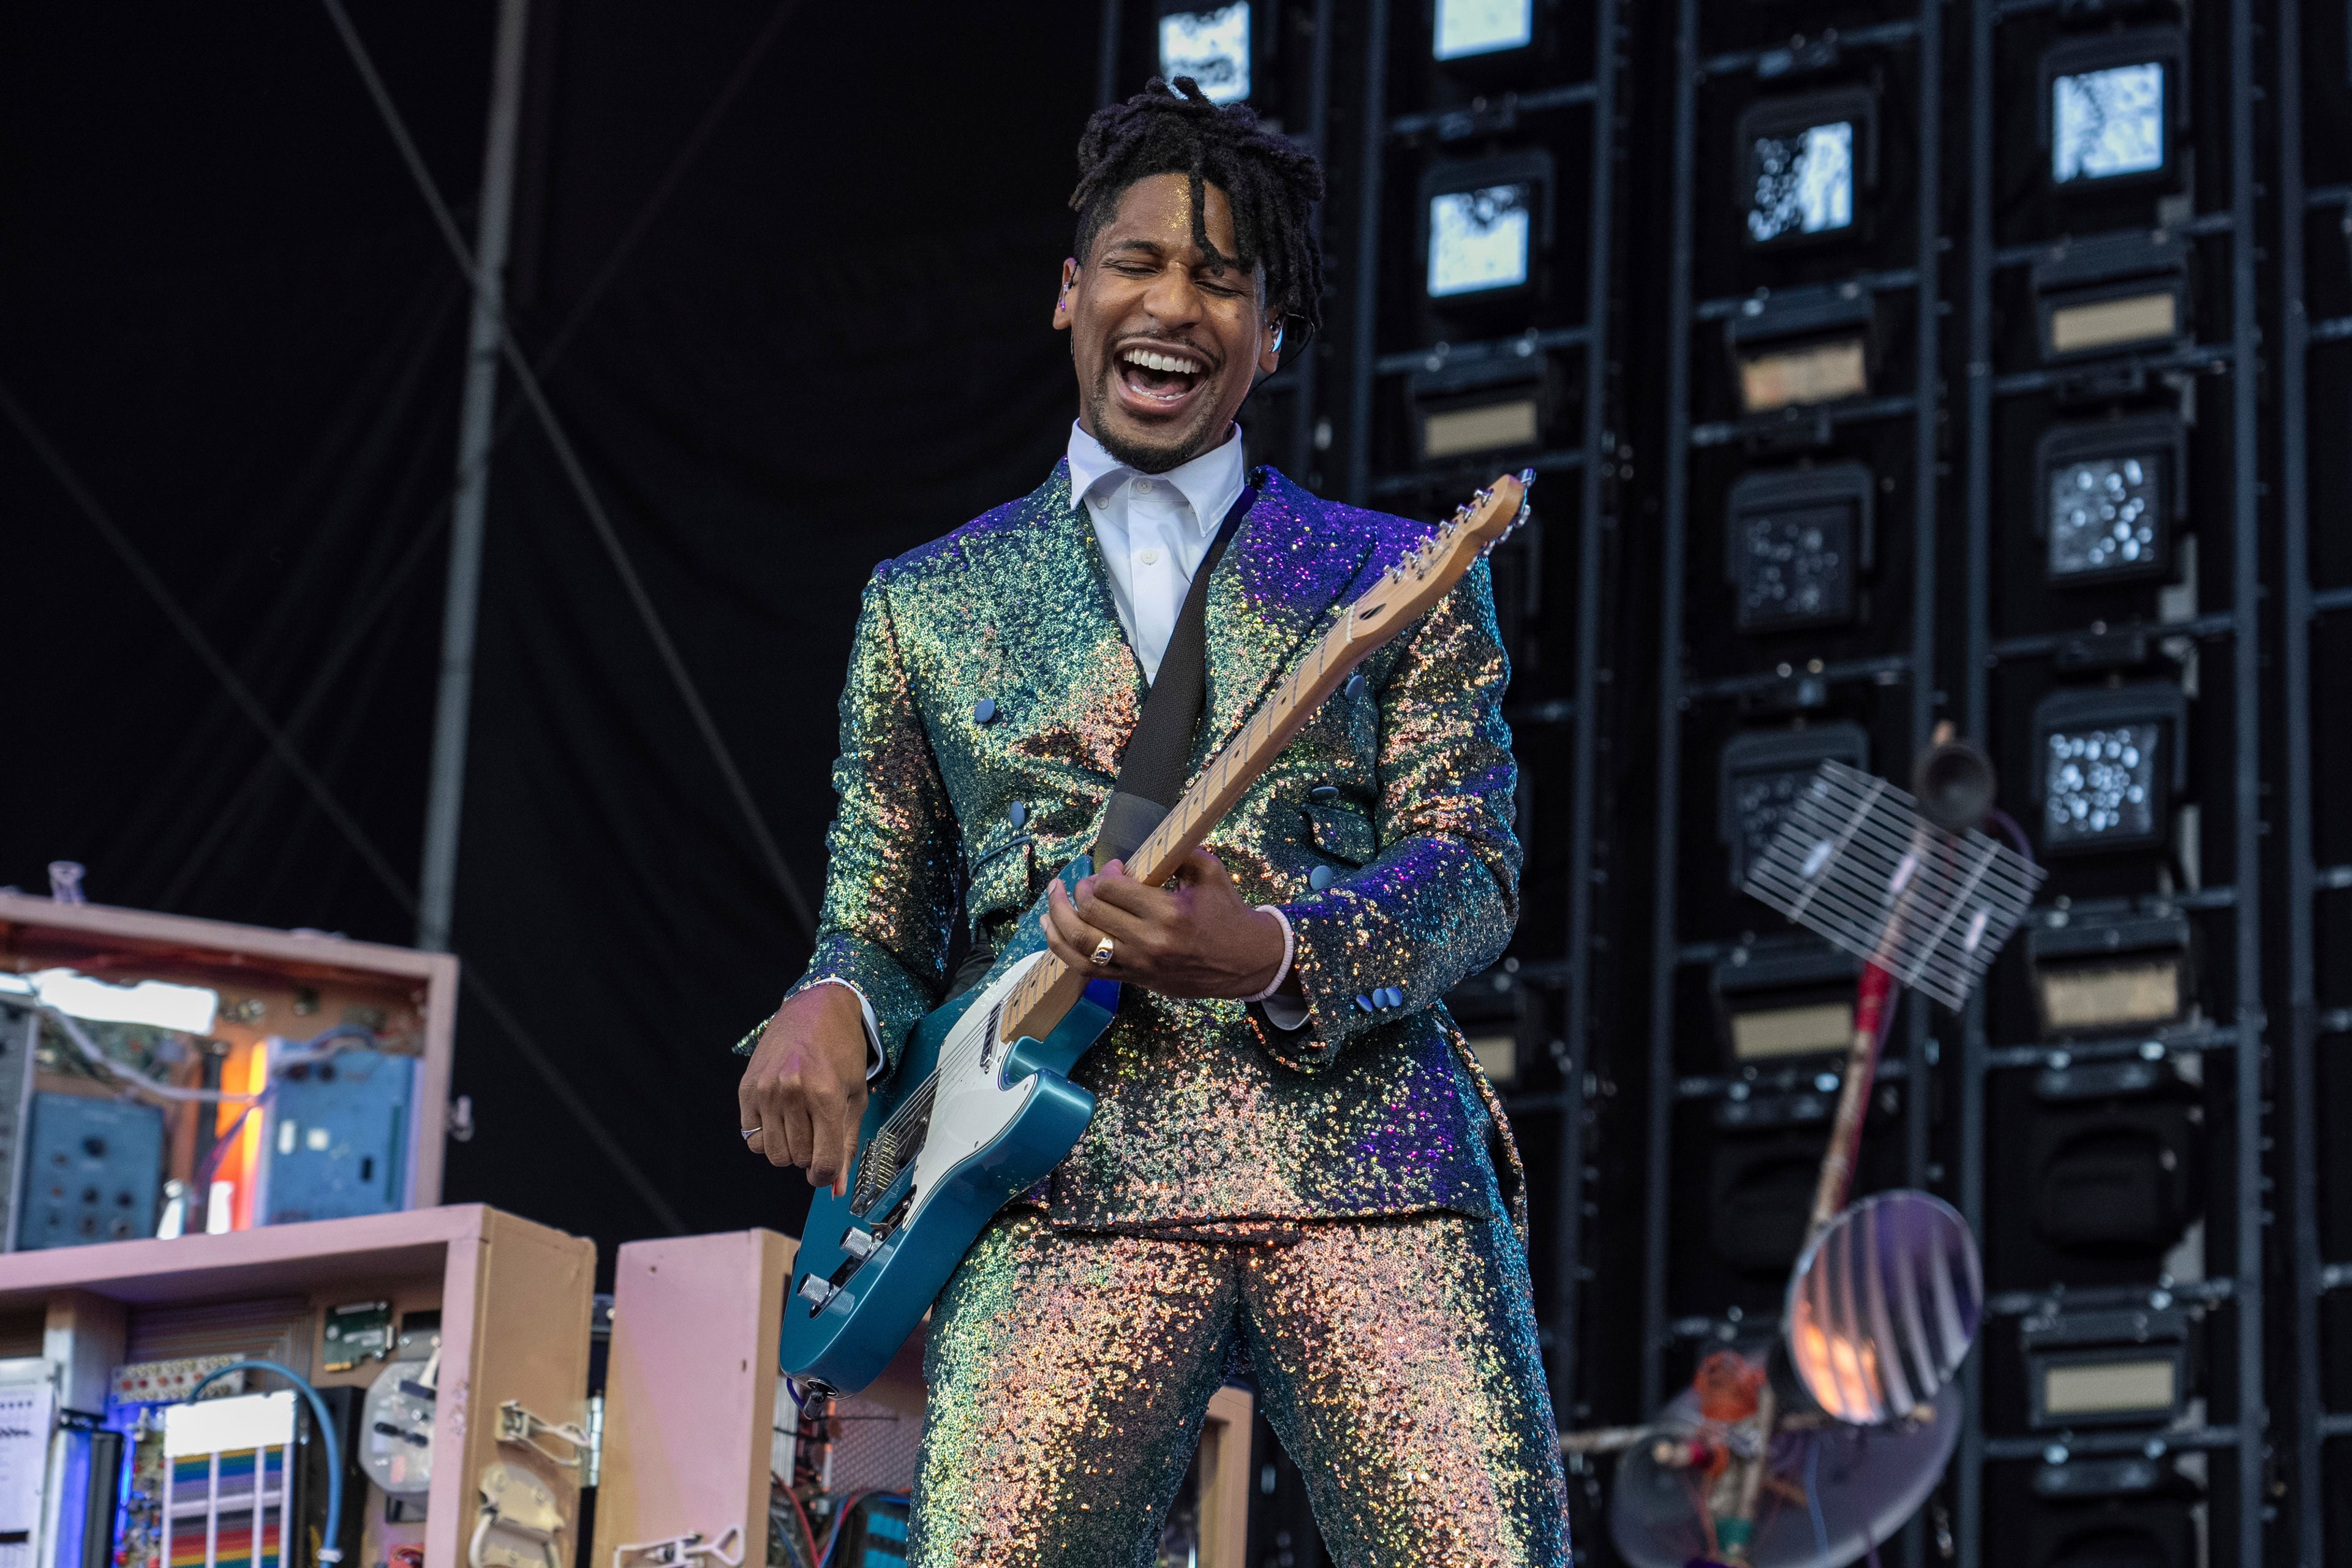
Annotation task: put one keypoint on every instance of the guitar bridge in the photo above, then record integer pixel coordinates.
(893, 1145)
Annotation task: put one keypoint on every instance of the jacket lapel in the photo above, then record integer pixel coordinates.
(1273, 590)
(1066, 640)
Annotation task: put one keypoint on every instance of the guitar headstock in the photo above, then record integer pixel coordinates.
(1427, 575)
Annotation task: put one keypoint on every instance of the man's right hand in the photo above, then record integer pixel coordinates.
(805, 1088)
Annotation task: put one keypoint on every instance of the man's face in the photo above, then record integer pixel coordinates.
(1166, 341)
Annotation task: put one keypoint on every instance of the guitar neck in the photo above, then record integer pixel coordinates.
(1053, 988)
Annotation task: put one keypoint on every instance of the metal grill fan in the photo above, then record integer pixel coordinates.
(1857, 863)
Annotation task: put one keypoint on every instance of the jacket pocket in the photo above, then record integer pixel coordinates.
(1340, 834)
(999, 880)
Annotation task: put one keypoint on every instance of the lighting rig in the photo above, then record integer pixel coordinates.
(1480, 235)
(2110, 1104)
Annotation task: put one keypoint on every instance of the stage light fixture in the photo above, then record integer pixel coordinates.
(1801, 346)
(2109, 973)
(2113, 1160)
(1469, 27)
(1805, 164)
(1761, 775)
(2125, 1368)
(1211, 45)
(2107, 763)
(1468, 405)
(2110, 493)
(1795, 544)
(2116, 292)
(2109, 106)
(1483, 225)
(1784, 1001)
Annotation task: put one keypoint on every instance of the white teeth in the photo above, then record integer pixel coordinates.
(1151, 360)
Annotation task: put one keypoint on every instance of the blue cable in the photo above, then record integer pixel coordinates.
(1813, 1494)
(841, 1522)
(328, 1552)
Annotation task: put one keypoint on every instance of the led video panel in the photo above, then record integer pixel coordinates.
(1794, 544)
(1762, 773)
(1479, 239)
(2107, 763)
(1805, 164)
(2108, 108)
(1468, 27)
(1485, 223)
(2110, 492)
(1212, 46)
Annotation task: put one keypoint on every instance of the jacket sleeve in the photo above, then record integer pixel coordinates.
(1440, 898)
(889, 883)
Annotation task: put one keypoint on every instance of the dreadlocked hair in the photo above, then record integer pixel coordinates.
(1270, 181)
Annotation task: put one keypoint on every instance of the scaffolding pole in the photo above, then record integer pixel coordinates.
(446, 792)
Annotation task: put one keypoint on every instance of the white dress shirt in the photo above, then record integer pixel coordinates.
(1154, 530)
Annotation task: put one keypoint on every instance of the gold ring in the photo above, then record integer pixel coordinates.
(1103, 951)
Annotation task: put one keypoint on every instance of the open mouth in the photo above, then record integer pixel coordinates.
(1159, 380)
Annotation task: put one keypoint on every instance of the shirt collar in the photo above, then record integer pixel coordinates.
(1210, 482)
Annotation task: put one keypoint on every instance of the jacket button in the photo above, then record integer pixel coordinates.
(1324, 794)
(1321, 878)
(1354, 689)
(1365, 1003)
(1018, 813)
(1391, 997)
(984, 710)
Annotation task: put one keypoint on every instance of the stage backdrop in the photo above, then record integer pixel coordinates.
(226, 307)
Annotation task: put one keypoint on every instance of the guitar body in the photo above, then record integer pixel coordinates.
(964, 1125)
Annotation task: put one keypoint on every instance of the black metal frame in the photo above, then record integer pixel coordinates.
(2241, 905)
(1366, 361)
(1688, 317)
(2309, 1276)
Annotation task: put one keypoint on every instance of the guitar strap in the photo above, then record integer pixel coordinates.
(1158, 755)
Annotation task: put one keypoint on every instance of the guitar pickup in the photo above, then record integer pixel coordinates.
(860, 1244)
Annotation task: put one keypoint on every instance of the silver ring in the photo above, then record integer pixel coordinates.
(749, 1132)
(1103, 951)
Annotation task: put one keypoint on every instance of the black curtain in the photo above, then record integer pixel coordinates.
(825, 341)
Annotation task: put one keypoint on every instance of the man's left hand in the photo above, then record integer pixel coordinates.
(1194, 937)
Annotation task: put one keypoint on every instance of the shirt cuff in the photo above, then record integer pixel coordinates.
(1283, 1013)
(875, 1062)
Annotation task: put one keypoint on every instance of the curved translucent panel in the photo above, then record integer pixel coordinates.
(1884, 1306)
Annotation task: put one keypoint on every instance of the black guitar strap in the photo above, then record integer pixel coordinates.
(1160, 754)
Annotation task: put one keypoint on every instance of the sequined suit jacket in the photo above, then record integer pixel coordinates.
(990, 692)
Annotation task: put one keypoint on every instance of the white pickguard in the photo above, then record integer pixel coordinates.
(969, 1111)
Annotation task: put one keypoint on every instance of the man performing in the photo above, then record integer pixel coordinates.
(1288, 1160)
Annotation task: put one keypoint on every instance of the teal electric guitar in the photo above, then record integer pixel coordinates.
(980, 1106)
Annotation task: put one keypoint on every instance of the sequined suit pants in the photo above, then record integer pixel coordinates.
(1396, 1358)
